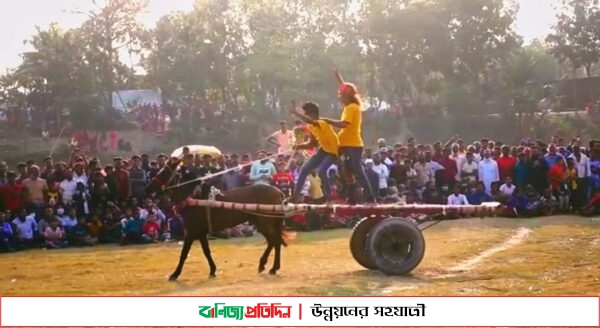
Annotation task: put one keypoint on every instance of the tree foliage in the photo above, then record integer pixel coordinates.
(576, 36)
(252, 57)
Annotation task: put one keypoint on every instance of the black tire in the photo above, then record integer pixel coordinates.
(396, 246)
(358, 242)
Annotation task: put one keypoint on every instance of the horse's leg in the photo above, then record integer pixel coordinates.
(265, 257)
(206, 250)
(187, 243)
(277, 241)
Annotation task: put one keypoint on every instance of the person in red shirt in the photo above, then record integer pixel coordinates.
(506, 164)
(122, 177)
(558, 175)
(450, 170)
(283, 179)
(151, 229)
(12, 194)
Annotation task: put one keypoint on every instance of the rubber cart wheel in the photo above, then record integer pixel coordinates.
(358, 242)
(396, 246)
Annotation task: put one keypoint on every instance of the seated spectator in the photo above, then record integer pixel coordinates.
(508, 188)
(456, 198)
(54, 236)
(433, 196)
(68, 221)
(479, 196)
(27, 228)
(519, 204)
(60, 211)
(97, 229)
(392, 196)
(533, 197)
(132, 227)
(548, 203)
(175, 228)
(151, 229)
(151, 207)
(47, 218)
(79, 236)
(8, 237)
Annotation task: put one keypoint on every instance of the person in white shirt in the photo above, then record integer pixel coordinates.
(508, 188)
(475, 151)
(425, 169)
(456, 198)
(460, 159)
(488, 171)
(582, 165)
(281, 138)
(262, 171)
(79, 175)
(68, 187)
(469, 169)
(26, 227)
(70, 220)
(382, 172)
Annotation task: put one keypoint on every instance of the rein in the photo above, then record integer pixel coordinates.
(210, 176)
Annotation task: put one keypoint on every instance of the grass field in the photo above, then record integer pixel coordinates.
(555, 256)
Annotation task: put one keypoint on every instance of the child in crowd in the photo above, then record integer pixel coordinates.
(55, 236)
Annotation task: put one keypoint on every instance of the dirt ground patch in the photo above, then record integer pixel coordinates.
(559, 257)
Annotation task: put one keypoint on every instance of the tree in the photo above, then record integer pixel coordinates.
(56, 73)
(110, 28)
(576, 36)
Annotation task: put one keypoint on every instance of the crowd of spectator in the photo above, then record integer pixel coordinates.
(82, 202)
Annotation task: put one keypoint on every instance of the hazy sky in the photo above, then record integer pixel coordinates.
(18, 19)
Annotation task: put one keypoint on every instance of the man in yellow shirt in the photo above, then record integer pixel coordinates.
(322, 135)
(350, 135)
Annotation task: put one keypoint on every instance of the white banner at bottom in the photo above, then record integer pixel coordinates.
(300, 311)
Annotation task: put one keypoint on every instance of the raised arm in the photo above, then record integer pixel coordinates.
(338, 75)
(271, 139)
(300, 115)
(336, 123)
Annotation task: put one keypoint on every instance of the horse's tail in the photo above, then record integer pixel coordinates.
(287, 236)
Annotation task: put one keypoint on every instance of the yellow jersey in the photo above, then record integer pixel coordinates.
(323, 132)
(350, 136)
(315, 190)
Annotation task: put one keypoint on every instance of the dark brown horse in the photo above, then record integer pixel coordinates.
(195, 219)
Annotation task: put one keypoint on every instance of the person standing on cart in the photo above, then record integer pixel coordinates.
(350, 134)
(323, 136)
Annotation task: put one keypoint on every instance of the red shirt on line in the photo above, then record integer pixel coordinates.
(506, 166)
(151, 228)
(12, 196)
(123, 183)
(556, 174)
(283, 181)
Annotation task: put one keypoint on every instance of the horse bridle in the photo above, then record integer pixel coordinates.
(164, 185)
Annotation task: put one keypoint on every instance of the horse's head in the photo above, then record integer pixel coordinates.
(166, 177)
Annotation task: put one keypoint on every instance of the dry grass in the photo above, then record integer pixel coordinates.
(559, 258)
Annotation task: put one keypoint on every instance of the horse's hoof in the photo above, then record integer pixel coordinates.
(261, 269)
(272, 272)
(212, 276)
(173, 277)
